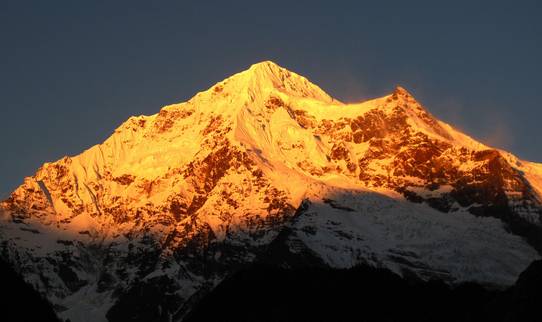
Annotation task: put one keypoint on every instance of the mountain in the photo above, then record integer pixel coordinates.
(266, 167)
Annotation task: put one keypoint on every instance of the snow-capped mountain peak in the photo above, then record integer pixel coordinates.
(266, 76)
(265, 164)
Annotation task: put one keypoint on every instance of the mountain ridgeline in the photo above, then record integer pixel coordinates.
(266, 175)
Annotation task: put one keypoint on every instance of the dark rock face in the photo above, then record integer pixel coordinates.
(20, 302)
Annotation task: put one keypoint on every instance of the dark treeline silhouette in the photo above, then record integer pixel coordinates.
(266, 293)
(19, 301)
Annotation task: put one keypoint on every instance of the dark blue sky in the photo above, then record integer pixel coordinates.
(72, 71)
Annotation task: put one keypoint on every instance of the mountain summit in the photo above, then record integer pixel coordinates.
(265, 166)
(267, 76)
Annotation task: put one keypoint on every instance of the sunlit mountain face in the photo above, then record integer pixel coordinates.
(265, 167)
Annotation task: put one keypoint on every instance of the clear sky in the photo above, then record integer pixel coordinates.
(72, 71)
